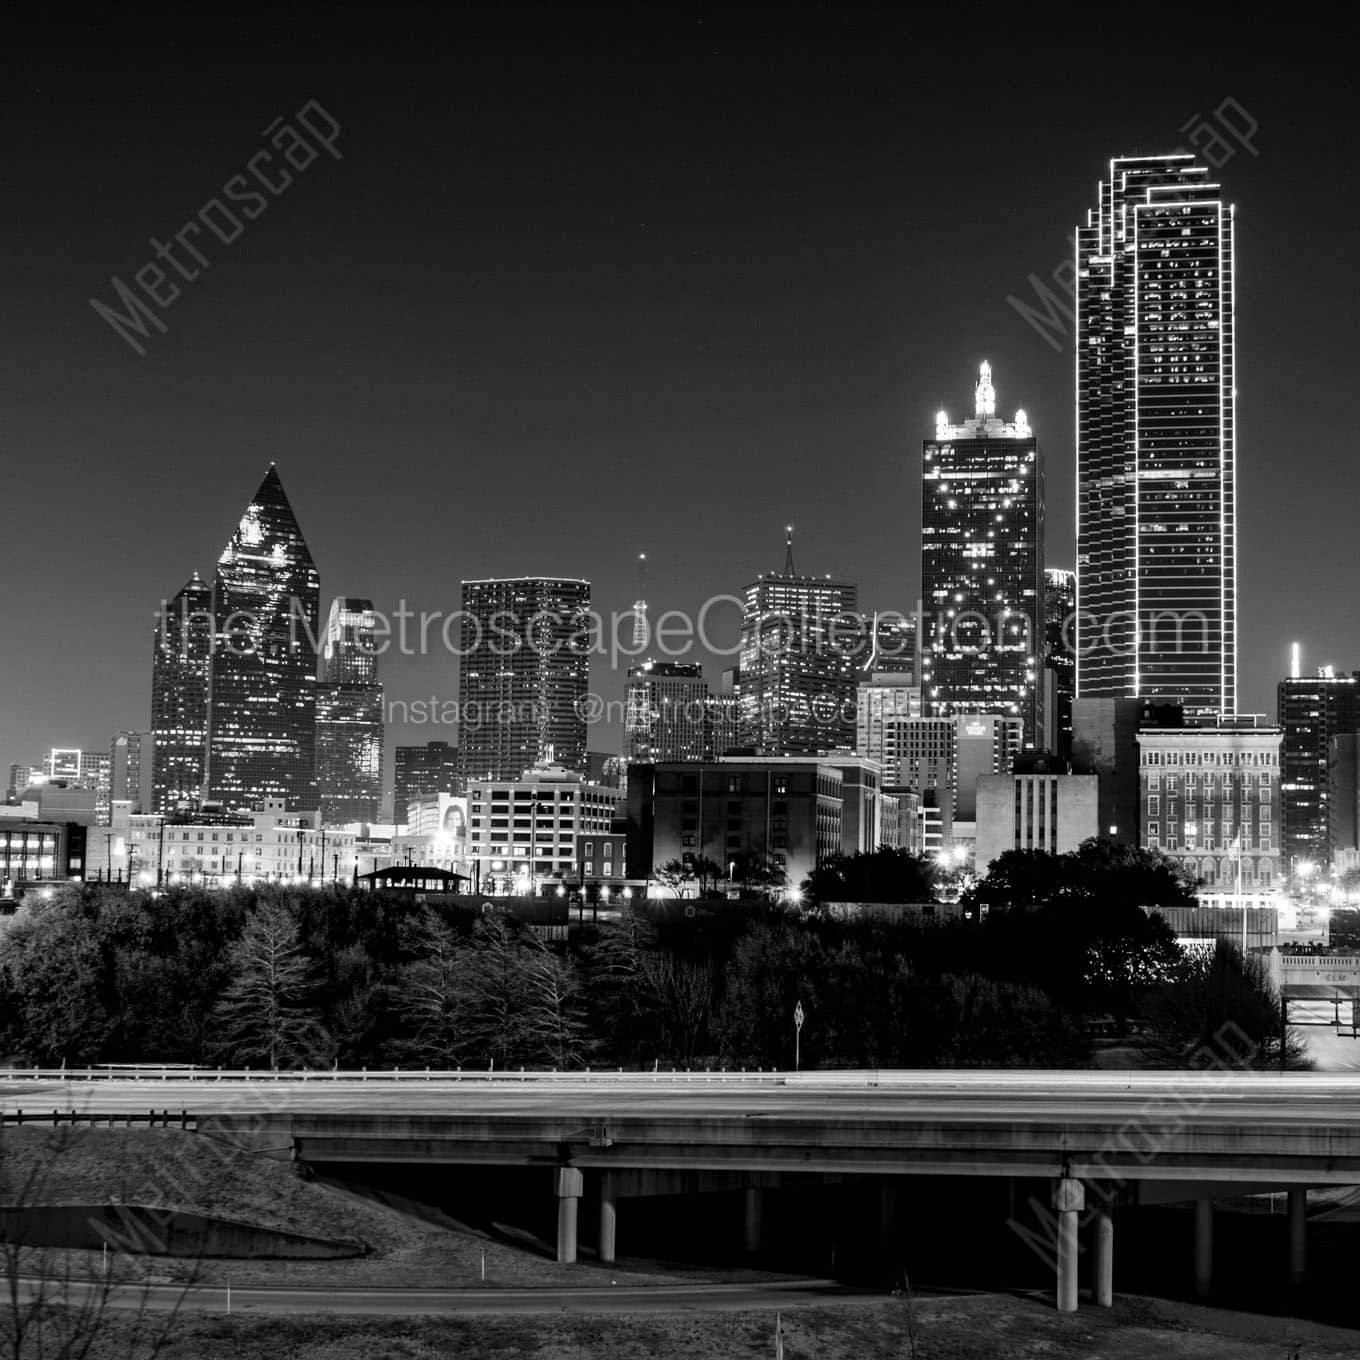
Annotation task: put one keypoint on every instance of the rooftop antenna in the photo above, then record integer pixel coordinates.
(640, 606)
(1295, 662)
(788, 550)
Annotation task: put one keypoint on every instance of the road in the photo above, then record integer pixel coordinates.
(887, 1097)
(296, 1302)
(1276, 1129)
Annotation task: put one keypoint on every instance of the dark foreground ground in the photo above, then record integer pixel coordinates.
(981, 1326)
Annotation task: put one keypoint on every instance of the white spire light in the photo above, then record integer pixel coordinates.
(984, 394)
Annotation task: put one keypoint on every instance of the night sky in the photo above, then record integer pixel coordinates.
(590, 284)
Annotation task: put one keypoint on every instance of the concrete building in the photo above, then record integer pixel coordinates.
(69, 767)
(886, 703)
(1210, 797)
(984, 744)
(982, 566)
(902, 826)
(130, 769)
(523, 831)
(1050, 812)
(1103, 744)
(272, 844)
(35, 850)
(785, 811)
(861, 804)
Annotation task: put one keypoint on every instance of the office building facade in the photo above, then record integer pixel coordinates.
(1156, 439)
(887, 703)
(666, 712)
(423, 772)
(796, 675)
(179, 696)
(525, 830)
(1060, 659)
(524, 675)
(1210, 798)
(785, 812)
(261, 731)
(131, 762)
(982, 566)
(349, 716)
(1053, 813)
(1312, 711)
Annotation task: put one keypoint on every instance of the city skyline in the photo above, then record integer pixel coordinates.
(833, 375)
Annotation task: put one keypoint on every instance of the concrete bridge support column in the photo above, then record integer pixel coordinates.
(751, 1233)
(887, 1208)
(569, 1186)
(1298, 1234)
(1204, 1247)
(608, 1217)
(1069, 1199)
(1102, 1259)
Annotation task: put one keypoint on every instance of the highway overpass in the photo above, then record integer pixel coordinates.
(1100, 1140)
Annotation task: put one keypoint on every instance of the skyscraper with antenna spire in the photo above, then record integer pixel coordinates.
(796, 681)
(640, 635)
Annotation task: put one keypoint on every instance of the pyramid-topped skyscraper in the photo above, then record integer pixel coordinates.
(261, 722)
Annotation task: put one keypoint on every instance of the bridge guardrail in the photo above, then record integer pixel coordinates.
(171, 1073)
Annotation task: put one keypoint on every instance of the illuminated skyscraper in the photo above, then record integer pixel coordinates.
(349, 716)
(1156, 444)
(796, 680)
(1060, 603)
(261, 740)
(982, 567)
(179, 696)
(667, 712)
(1312, 711)
(522, 682)
(423, 772)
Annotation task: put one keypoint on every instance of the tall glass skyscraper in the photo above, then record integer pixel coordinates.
(349, 716)
(525, 668)
(1156, 440)
(1312, 711)
(982, 566)
(179, 696)
(261, 731)
(797, 676)
(1060, 603)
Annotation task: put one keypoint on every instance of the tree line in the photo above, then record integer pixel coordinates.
(282, 977)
